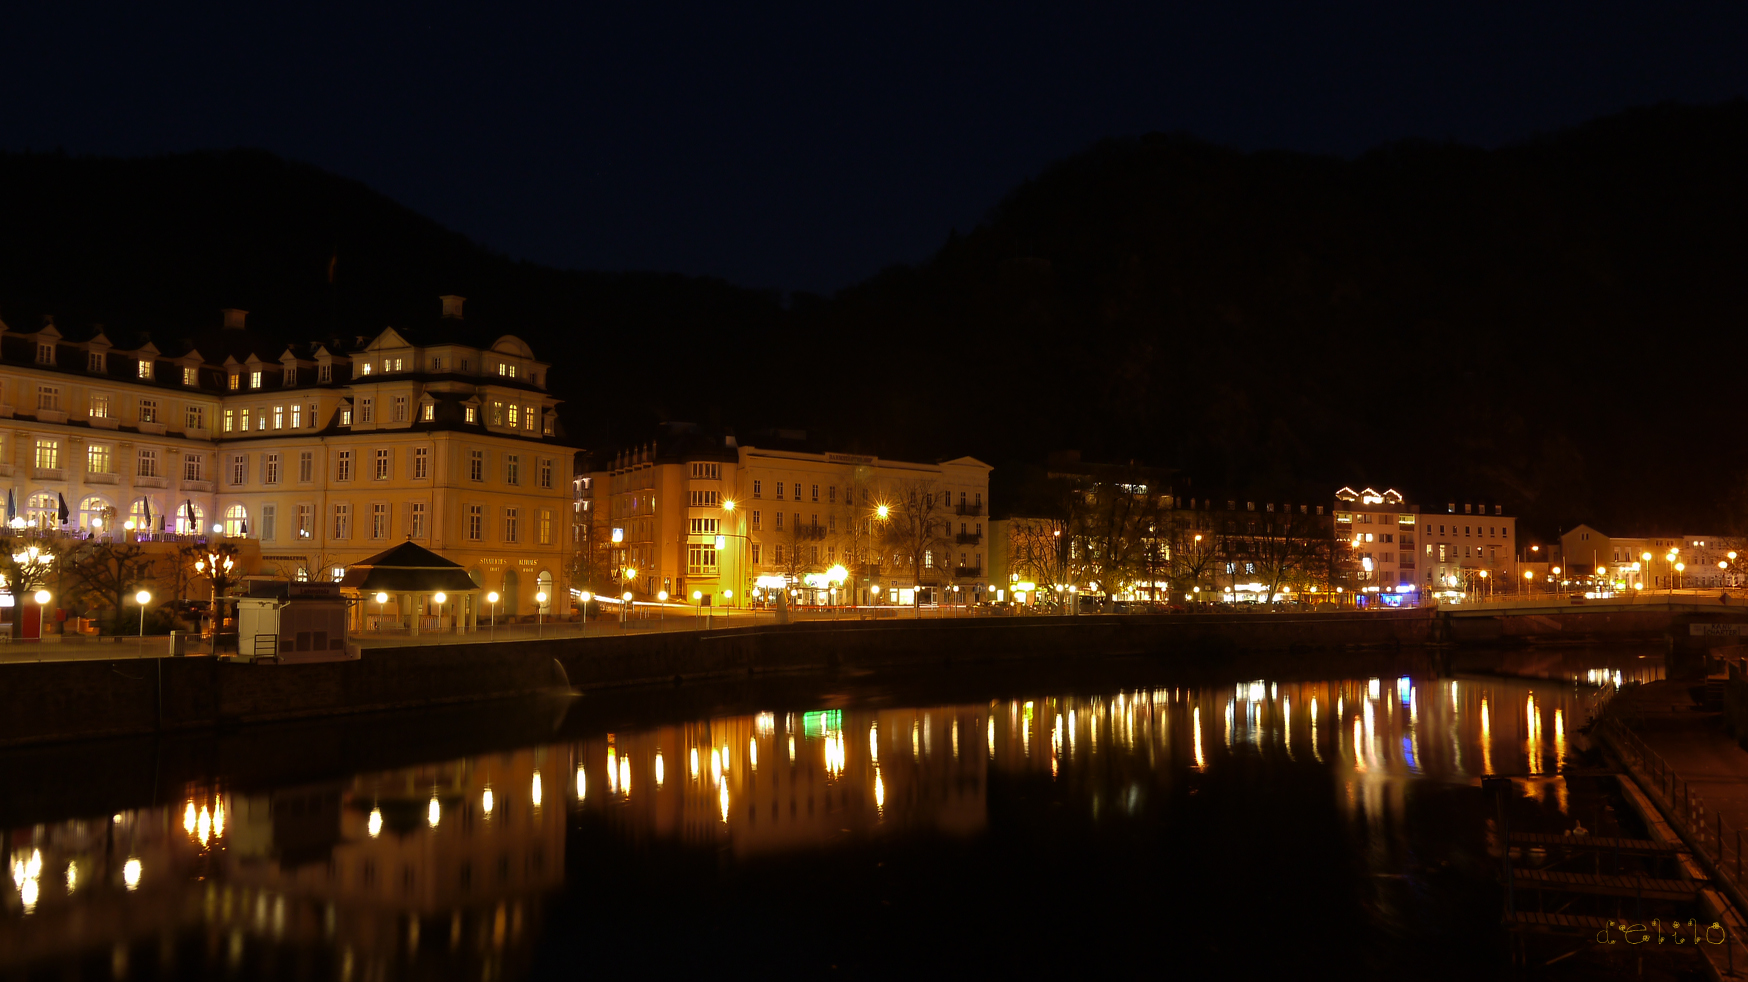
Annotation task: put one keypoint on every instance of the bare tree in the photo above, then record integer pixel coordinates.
(110, 571)
(1280, 548)
(917, 529)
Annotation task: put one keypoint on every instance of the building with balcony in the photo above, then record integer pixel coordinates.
(1468, 546)
(697, 515)
(439, 431)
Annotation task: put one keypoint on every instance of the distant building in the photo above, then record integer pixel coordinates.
(1468, 544)
(697, 513)
(1646, 559)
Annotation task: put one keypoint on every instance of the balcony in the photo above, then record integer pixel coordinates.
(48, 474)
(104, 422)
(192, 485)
(970, 510)
(99, 477)
(969, 538)
(968, 573)
(806, 532)
(150, 481)
(156, 429)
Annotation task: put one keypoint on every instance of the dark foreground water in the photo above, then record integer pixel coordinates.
(967, 825)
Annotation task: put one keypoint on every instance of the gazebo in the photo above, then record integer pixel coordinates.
(419, 585)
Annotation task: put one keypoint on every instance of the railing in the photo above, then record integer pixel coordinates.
(970, 538)
(971, 510)
(968, 572)
(1714, 841)
(810, 532)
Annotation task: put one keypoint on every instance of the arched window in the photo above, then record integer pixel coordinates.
(512, 583)
(91, 514)
(545, 583)
(189, 518)
(236, 521)
(43, 509)
(144, 515)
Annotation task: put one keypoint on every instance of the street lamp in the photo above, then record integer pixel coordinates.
(438, 598)
(539, 610)
(492, 598)
(661, 595)
(215, 568)
(381, 598)
(143, 598)
(698, 598)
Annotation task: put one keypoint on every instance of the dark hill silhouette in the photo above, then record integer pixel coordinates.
(1555, 324)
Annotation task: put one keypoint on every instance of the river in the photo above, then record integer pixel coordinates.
(1128, 817)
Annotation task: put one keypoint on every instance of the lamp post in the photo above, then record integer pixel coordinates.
(624, 605)
(381, 598)
(143, 598)
(539, 610)
(698, 598)
(215, 567)
(492, 629)
(1554, 579)
(661, 612)
(439, 598)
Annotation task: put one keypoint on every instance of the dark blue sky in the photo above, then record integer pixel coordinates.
(804, 146)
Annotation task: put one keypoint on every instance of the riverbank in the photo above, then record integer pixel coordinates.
(47, 702)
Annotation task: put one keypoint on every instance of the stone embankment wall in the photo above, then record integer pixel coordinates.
(51, 701)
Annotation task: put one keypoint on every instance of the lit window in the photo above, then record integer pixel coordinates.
(48, 454)
(145, 368)
(194, 418)
(345, 417)
(364, 369)
(472, 414)
(99, 406)
(382, 465)
(428, 412)
(278, 417)
(148, 410)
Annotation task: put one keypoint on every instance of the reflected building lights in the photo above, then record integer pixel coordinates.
(874, 742)
(486, 800)
(434, 813)
(188, 817)
(1196, 730)
(534, 792)
(660, 770)
(695, 757)
(583, 782)
(373, 825)
(1486, 738)
(753, 754)
(130, 874)
(625, 776)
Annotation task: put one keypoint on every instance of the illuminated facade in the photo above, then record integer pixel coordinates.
(319, 452)
(696, 517)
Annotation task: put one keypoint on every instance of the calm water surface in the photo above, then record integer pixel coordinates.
(1309, 825)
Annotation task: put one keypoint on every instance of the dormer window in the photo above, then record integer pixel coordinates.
(503, 369)
(95, 362)
(236, 381)
(145, 368)
(436, 363)
(512, 371)
(45, 353)
(472, 414)
(324, 373)
(365, 369)
(289, 379)
(546, 426)
(254, 380)
(428, 412)
(190, 376)
(345, 417)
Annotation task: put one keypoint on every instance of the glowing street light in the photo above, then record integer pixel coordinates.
(381, 598)
(492, 598)
(143, 598)
(539, 610)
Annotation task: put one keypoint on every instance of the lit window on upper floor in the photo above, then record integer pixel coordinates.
(190, 376)
(236, 381)
(364, 369)
(503, 369)
(254, 380)
(145, 368)
(428, 412)
(512, 371)
(472, 414)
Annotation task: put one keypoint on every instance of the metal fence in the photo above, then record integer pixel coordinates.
(1715, 842)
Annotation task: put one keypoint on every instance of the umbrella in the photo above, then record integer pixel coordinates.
(61, 513)
(243, 528)
(193, 523)
(11, 505)
(147, 502)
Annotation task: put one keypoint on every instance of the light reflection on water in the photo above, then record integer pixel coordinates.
(453, 863)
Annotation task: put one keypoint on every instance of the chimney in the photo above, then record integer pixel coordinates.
(452, 306)
(234, 318)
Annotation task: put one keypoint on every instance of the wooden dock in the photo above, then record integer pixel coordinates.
(1643, 887)
(1635, 847)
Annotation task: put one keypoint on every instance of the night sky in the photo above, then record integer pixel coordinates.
(805, 146)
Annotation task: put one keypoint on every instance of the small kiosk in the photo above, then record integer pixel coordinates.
(411, 590)
(291, 622)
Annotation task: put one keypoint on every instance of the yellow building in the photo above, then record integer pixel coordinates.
(697, 516)
(322, 452)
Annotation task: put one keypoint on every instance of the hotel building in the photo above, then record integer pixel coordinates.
(691, 513)
(323, 452)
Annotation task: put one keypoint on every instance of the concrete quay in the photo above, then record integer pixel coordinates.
(42, 702)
